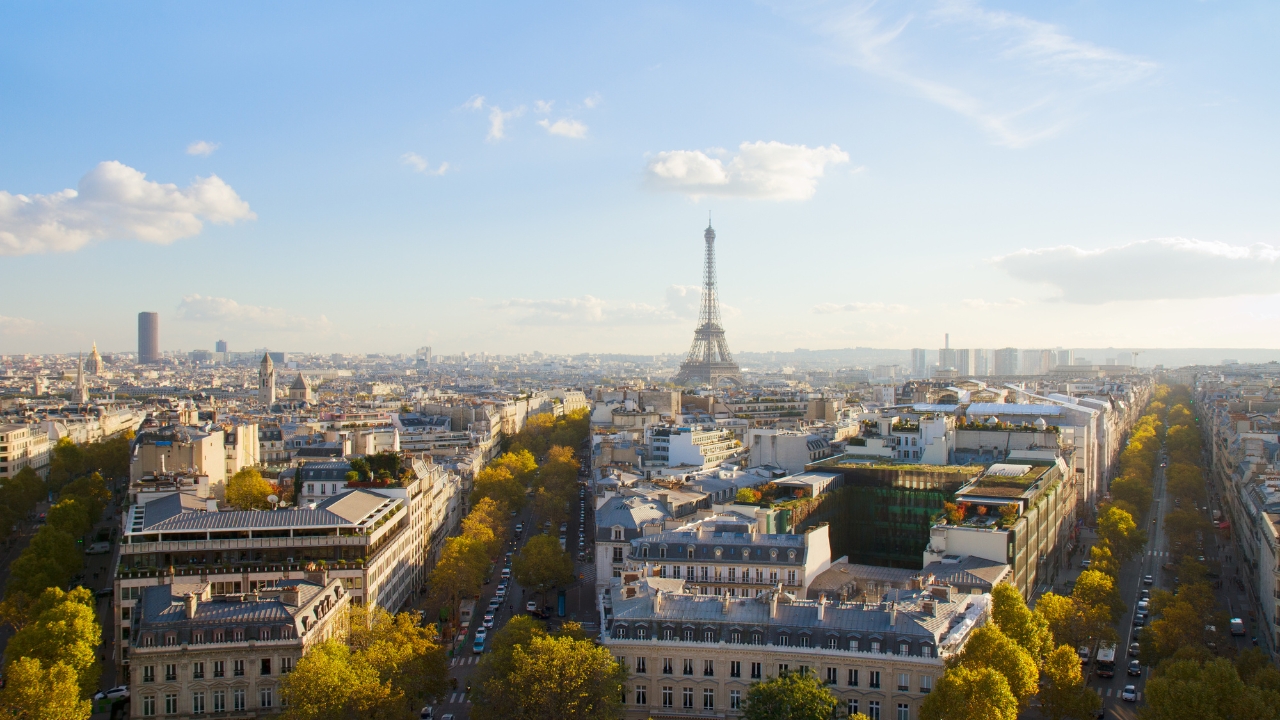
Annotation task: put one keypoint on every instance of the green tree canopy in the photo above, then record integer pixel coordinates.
(790, 696)
(49, 560)
(541, 564)
(551, 677)
(460, 570)
(964, 693)
(1121, 533)
(1062, 614)
(499, 484)
(988, 646)
(35, 691)
(64, 630)
(1099, 602)
(1186, 689)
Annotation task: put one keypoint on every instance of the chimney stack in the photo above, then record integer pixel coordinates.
(189, 600)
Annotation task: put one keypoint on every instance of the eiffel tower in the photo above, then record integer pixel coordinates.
(709, 361)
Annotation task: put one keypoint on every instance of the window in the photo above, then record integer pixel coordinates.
(854, 645)
(735, 669)
(171, 639)
(756, 670)
(704, 573)
(640, 665)
(286, 665)
(149, 674)
(853, 678)
(266, 697)
(197, 671)
(617, 554)
(219, 668)
(873, 709)
(666, 666)
(708, 699)
(170, 674)
(831, 643)
(264, 633)
(733, 574)
(148, 705)
(735, 636)
(170, 703)
(686, 698)
(642, 633)
(873, 679)
(197, 703)
(666, 696)
(904, 711)
(644, 551)
(708, 668)
(688, 667)
(237, 700)
(832, 676)
(926, 651)
(784, 639)
(904, 648)
(687, 635)
(238, 634)
(675, 571)
(926, 683)
(875, 646)
(791, 577)
(617, 535)
(688, 571)
(642, 695)
(219, 701)
(782, 669)
(853, 707)
(804, 641)
(735, 699)
(904, 682)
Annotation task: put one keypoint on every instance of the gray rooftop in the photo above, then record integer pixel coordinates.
(182, 513)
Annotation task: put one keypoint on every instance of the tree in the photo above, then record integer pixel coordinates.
(541, 564)
(71, 516)
(498, 483)
(489, 690)
(331, 682)
(487, 520)
(1181, 524)
(556, 677)
(1188, 689)
(404, 653)
(49, 560)
(1117, 527)
(247, 490)
(1101, 559)
(1010, 613)
(1063, 616)
(521, 464)
(1065, 695)
(1132, 490)
(1186, 482)
(63, 630)
(965, 693)
(790, 696)
(33, 690)
(460, 570)
(989, 647)
(1099, 601)
(746, 496)
(1179, 625)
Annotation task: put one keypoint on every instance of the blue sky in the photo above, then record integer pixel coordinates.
(507, 178)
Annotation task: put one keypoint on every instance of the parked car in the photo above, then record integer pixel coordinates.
(488, 620)
(1135, 667)
(427, 713)
(116, 693)
(531, 606)
(1129, 694)
(519, 529)
(1134, 649)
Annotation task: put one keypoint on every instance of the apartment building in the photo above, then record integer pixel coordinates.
(180, 447)
(198, 653)
(697, 655)
(23, 446)
(696, 446)
(724, 555)
(790, 450)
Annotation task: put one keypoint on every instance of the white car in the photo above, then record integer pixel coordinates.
(531, 606)
(481, 634)
(115, 693)
(493, 604)
(488, 620)
(1129, 694)
(427, 713)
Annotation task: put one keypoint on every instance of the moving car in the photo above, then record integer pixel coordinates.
(1134, 649)
(116, 693)
(519, 528)
(1135, 667)
(488, 620)
(1129, 694)
(98, 548)
(477, 647)
(1237, 627)
(1147, 579)
(531, 606)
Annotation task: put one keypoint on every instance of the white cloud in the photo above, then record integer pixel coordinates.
(592, 101)
(760, 170)
(542, 107)
(115, 201)
(225, 311)
(980, 304)
(475, 103)
(16, 325)
(200, 147)
(1161, 268)
(681, 304)
(1019, 79)
(565, 128)
(859, 307)
(420, 164)
(498, 122)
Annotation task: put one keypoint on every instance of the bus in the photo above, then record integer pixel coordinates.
(1106, 662)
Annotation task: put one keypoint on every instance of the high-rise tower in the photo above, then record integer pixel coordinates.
(148, 338)
(709, 361)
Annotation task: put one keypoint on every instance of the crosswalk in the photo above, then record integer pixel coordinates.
(1107, 693)
(468, 660)
(1158, 553)
(458, 698)
(589, 574)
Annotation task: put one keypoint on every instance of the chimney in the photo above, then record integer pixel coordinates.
(724, 604)
(317, 574)
(822, 607)
(189, 600)
(211, 505)
(657, 602)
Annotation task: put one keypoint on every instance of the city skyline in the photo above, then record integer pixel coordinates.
(538, 180)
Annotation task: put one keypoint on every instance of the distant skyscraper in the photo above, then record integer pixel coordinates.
(1006, 361)
(1037, 362)
(1066, 357)
(709, 360)
(947, 358)
(963, 363)
(148, 337)
(981, 363)
(919, 362)
(220, 346)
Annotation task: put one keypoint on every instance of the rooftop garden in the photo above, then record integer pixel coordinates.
(1003, 426)
(983, 515)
